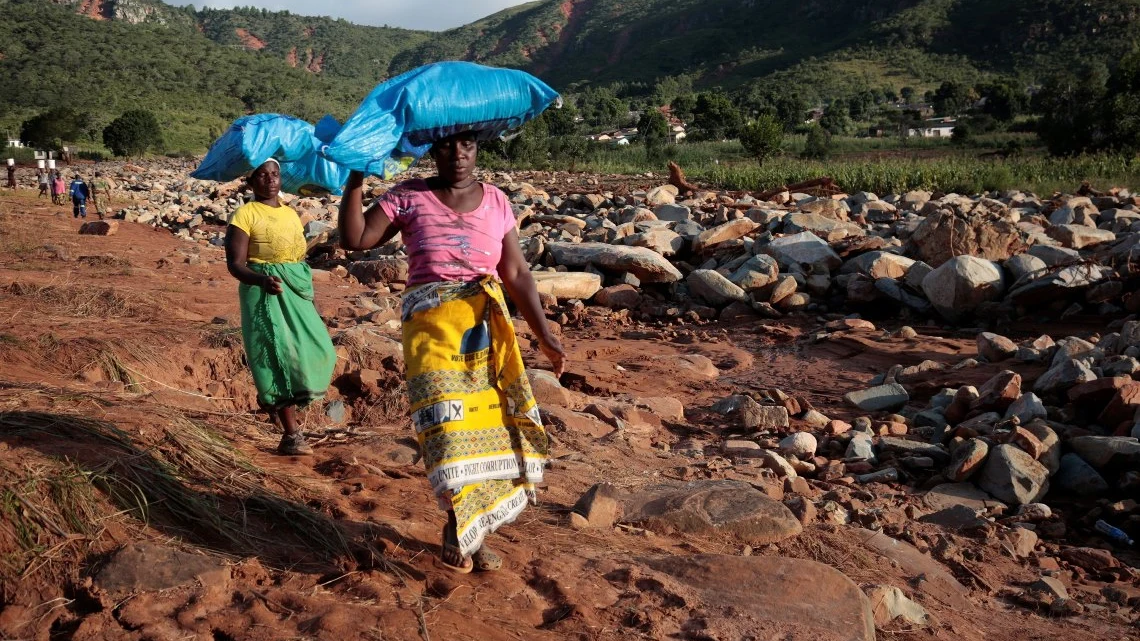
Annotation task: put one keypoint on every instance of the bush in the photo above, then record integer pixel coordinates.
(96, 156)
(133, 133)
(818, 144)
(762, 137)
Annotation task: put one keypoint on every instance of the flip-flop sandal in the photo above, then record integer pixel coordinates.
(452, 547)
(485, 560)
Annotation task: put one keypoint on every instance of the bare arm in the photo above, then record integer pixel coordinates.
(515, 273)
(237, 255)
(361, 229)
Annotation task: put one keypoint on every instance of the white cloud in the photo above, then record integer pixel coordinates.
(433, 15)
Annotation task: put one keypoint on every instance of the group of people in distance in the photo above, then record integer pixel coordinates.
(78, 192)
(472, 408)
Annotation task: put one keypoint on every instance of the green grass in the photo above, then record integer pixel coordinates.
(725, 165)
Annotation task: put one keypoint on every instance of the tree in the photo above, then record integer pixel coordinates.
(908, 94)
(837, 119)
(653, 129)
(762, 137)
(791, 109)
(531, 147)
(562, 122)
(1003, 100)
(133, 133)
(716, 118)
(1071, 114)
(684, 105)
(602, 109)
(570, 148)
(818, 145)
(52, 128)
(952, 98)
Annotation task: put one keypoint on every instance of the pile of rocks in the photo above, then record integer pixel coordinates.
(727, 255)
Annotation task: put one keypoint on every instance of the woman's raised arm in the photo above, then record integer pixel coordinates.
(361, 229)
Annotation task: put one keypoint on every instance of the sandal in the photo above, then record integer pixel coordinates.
(452, 546)
(294, 445)
(486, 560)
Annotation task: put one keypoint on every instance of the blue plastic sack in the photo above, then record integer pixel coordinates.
(252, 140)
(397, 123)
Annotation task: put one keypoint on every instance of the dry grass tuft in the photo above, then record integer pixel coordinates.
(222, 337)
(192, 483)
(86, 301)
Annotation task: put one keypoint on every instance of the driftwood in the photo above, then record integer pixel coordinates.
(677, 179)
(824, 186)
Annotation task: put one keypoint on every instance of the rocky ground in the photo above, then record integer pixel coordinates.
(804, 416)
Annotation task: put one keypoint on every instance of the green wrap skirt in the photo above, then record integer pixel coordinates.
(286, 343)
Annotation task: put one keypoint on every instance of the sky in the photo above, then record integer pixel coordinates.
(433, 15)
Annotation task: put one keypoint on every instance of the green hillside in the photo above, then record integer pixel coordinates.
(52, 57)
(199, 69)
(823, 47)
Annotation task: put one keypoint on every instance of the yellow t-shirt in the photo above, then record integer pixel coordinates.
(275, 233)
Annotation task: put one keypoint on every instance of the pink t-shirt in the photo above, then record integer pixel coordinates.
(444, 245)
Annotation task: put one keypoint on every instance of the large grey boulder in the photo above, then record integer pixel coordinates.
(713, 508)
(673, 213)
(568, 285)
(1078, 478)
(1079, 236)
(756, 597)
(1013, 476)
(646, 264)
(961, 284)
(802, 249)
(1108, 453)
(1062, 376)
(822, 226)
(1023, 265)
(713, 288)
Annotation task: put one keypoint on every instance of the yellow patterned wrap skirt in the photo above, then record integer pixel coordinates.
(475, 416)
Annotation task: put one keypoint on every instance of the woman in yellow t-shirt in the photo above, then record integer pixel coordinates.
(286, 342)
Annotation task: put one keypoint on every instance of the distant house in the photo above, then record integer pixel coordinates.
(934, 128)
(814, 116)
(15, 142)
(677, 133)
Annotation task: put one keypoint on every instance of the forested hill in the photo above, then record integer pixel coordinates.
(833, 45)
(198, 69)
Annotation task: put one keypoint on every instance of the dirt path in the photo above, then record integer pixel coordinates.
(137, 330)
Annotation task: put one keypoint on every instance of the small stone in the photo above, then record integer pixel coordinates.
(888, 603)
(836, 427)
(801, 445)
(802, 507)
(1024, 439)
(1019, 542)
(883, 397)
(860, 448)
(967, 460)
(599, 507)
(995, 348)
(815, 419)
(777, 463)
(907, 332)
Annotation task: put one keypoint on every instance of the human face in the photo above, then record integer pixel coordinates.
(266, 181)
(455, 157)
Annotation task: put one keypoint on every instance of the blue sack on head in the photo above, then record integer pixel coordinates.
(252, 140)
(401, 118)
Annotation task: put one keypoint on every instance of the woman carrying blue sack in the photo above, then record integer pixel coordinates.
(286, 343)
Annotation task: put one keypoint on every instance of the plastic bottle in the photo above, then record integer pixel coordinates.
(1114, 534)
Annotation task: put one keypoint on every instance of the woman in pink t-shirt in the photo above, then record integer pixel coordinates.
(476, 420)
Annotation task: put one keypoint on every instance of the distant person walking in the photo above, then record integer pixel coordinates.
(58, 189)
(42, 178)
(11, 176)
(79, 192)
(286, 343)
(100, 194)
